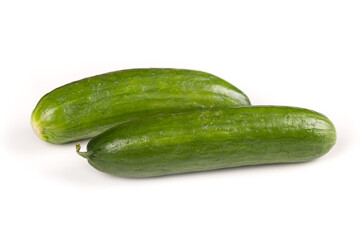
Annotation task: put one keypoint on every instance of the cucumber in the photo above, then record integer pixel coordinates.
(211, 139)
(87, 107)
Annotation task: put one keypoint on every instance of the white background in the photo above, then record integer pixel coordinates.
(297, 53)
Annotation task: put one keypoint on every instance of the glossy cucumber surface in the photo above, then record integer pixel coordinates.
(213, 139)
(87, 107)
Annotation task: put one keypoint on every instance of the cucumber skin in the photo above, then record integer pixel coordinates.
(85, 108)
(208, 140)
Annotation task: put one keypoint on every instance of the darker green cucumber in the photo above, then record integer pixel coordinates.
(87, 107)
(212, 139)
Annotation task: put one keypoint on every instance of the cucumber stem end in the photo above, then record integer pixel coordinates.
(78, 147)
(38, 129)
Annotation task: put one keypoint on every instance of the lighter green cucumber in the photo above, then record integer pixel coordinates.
(87, 107)
(212, 139)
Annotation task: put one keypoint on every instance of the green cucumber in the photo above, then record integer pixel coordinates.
(211, 139)
(87, 107)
